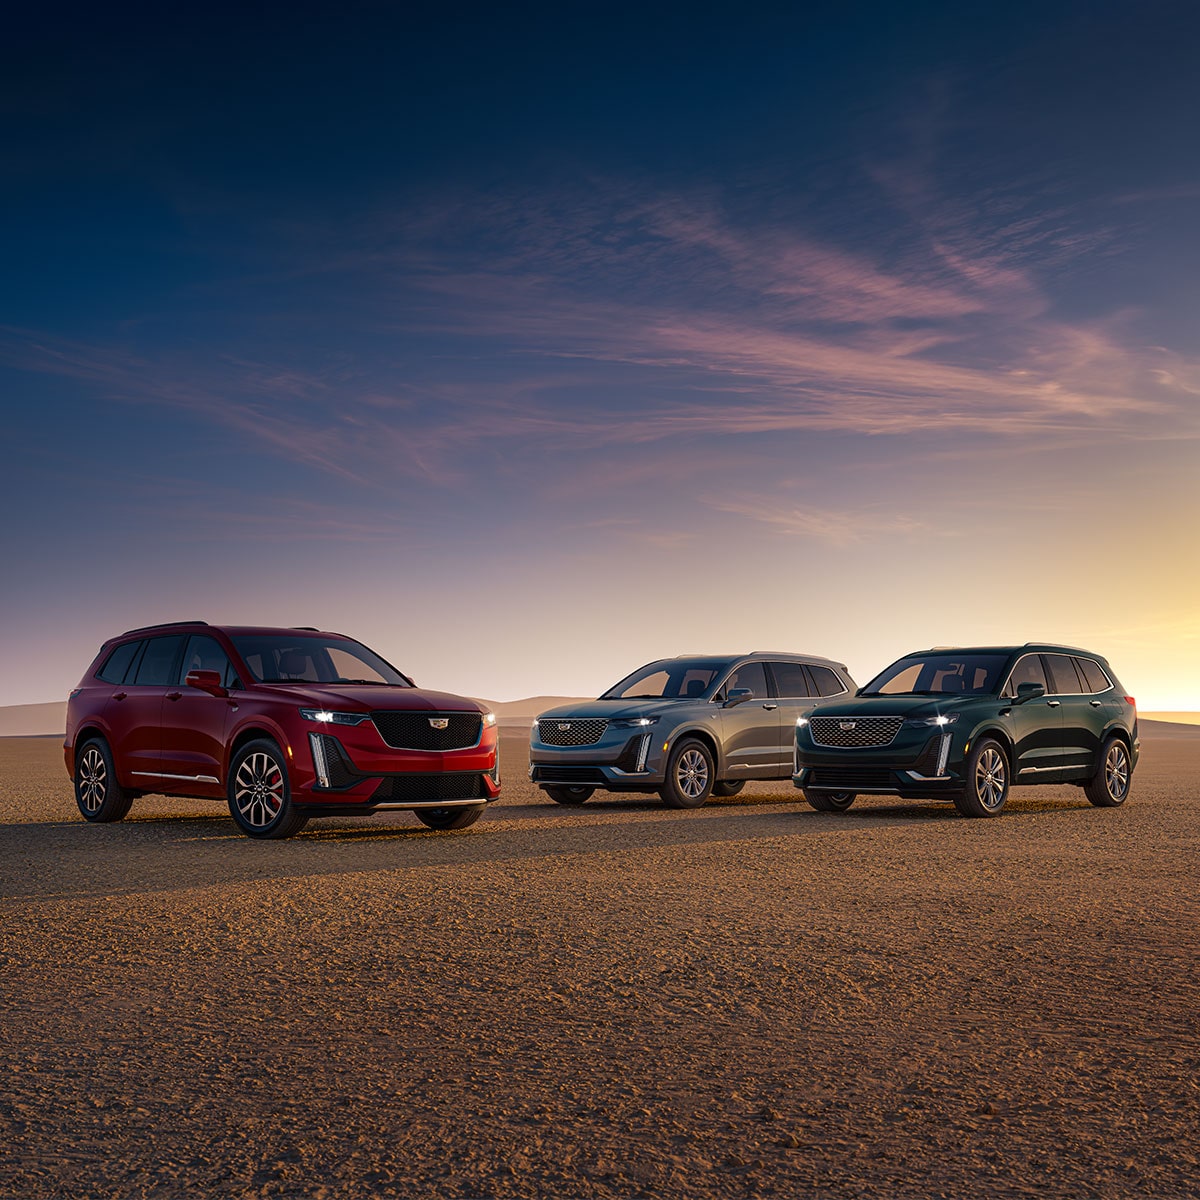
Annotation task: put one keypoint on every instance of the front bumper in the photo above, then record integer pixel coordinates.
(623, 760)
(340, 782)
(916, 765)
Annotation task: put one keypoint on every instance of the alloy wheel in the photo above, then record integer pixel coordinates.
(258, 789)
(990, 778)
(1116, 771)
(691, 774)
(93, 779)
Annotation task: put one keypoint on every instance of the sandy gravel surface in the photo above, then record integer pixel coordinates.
(750, 1000)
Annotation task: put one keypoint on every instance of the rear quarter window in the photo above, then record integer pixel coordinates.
(116, 665)
(827, 683)
(1093, 675)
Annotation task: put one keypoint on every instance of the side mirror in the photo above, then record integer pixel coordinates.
(206, 681)
(1029, 691)
(738, 696)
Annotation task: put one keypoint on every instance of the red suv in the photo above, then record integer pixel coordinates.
(285, 724)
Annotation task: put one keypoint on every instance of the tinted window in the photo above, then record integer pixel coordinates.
(286, 658)
(941, 674)
(205, 654)
(158, 663)
(828, 684)
(675, 679)
(748, 675)
(118, 662)
(790, 679)
(1028, 670)
(1062, 672)
(1093, 675)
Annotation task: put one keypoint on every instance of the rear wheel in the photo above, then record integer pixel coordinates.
(1110, 785)
(830, 801)
(100, 797)
(260, 796)
(689, 775)
(569, 795)
(450, 818)
(987, 781)
(728, 787)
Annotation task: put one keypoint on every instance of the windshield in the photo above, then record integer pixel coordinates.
(674, 679)
(940, 675)
(284, 658)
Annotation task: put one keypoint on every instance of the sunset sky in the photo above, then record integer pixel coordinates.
(528, 345)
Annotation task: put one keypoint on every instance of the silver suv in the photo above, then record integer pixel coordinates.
(686, 728)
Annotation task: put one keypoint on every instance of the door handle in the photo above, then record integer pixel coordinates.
(1053, 703)
(120, 695)
(770, 706)
(174, 695)
(1094, 703)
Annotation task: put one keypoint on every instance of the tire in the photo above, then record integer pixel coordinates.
(988, 779)
(1109, 787)
(570, 796)
(450, 818)
(260, 795)
(728, 787)
(830, 801)
(690, 772)
(101, 799)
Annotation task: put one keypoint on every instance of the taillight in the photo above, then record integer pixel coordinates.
(1131, 701)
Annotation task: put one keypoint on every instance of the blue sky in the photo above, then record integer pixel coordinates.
(530, 347)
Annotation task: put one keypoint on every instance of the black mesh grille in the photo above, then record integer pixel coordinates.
(416, 731)
(340, 770)
(447, 785)
(550, 774)
(853, 732)
(849, 778)
(575, 731)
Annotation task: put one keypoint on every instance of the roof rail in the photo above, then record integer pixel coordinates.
(164, 625)
(307, 628)
(1062, 646)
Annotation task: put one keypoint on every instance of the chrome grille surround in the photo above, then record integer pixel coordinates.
(571, 731)
(852, 733)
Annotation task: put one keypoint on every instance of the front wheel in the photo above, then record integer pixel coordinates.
(569, 795)
(260, 796)
(830, 801)
(450, 818)
(689, 775)
(1110, 785)
(987, 781)
(100, 797)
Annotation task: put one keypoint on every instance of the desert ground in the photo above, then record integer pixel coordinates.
(620, 1000)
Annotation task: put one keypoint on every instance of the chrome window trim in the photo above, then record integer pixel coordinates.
(803, 662)
(1005, 694)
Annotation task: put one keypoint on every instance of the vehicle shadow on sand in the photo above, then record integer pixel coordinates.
(163, 852)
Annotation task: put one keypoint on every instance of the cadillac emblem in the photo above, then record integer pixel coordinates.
(564, 726)
(846, 726)
(439, 722)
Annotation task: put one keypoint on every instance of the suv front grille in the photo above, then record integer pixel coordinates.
(448, 785)
(854, 732)
(413, 731)
(573, 731)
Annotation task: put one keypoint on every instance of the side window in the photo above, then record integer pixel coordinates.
(790, 680)
(1028, 670)
(1093, 675)
(117, 663)
(205, 654)
(828, 684)
(1063, 674)
(157, 665)
(748, 675)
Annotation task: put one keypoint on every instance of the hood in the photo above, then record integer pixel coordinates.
(895, 706)
(358, 697)
(611, 710)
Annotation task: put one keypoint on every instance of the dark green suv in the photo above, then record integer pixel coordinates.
(965, 724)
